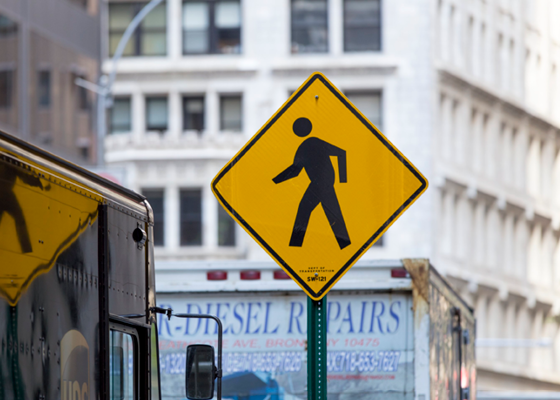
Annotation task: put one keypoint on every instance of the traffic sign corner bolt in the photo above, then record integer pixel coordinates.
(316, 274)
(316, 97)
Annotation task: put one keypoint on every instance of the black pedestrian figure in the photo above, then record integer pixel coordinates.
(9, 203)
(314, 155)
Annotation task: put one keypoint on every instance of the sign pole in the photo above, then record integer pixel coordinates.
(316, 349)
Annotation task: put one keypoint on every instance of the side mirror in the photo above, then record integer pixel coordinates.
(201, 372)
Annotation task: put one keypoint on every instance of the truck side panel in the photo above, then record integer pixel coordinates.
(370, 344)
(127, 275)
(452, 358)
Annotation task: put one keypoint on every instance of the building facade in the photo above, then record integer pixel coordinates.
(467, 90)
(497, 178)
(46, 45)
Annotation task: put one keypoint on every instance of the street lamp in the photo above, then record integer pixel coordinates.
(105, 83)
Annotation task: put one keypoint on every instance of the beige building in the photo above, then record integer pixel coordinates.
(497, 174)
(46, 45)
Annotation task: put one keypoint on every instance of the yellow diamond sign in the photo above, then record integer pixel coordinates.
(317, 185)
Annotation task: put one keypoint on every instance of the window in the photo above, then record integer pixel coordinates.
(7, 27)
(362, 25)
(82, 94)
(84, 151)
(369, 104)
(156, 199)
(191, 217)
(44, 88)
(211, 27)
(193, 113)
(120, 119)
(149, 39)
(226, 228)
(230, 113)
(309, 26)
(6, 91)
(122, 365)
(156, 113)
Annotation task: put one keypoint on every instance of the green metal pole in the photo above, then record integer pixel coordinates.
(316, 349)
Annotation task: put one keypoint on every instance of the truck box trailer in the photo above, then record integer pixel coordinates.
(395, 330)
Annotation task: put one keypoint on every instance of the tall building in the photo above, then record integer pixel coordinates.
(468, 90)
(46, 45)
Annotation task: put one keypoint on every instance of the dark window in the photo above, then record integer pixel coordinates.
(156, 197)
(84, 151)
(211, 27)
(156, 113)
(6, 91)
(44, 88)
(191, 217)
(81, 93)
(309, 26)
(83, 99)
(230, 113)
(369, 104)
(120, 118)
(193, 113)
(149, 39)
(226, 228)
(362, 25)
(7, 27)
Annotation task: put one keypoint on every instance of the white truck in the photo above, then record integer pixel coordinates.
(396, 330)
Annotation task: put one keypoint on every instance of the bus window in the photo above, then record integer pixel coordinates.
(122, 365)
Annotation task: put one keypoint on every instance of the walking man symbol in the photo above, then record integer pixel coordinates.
(314, 155)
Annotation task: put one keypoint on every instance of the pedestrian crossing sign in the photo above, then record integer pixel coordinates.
(317, 185)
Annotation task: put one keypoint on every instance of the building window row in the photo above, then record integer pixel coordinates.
(190, 219)
(467, 42)
(474, 138)
(193, 113)
(214, 27)
(476, 233)
(230, 111)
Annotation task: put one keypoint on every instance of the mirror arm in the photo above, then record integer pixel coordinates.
(156, 310)
(161, 310)
(207, 316)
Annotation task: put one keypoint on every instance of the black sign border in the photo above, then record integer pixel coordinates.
(363, 248)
